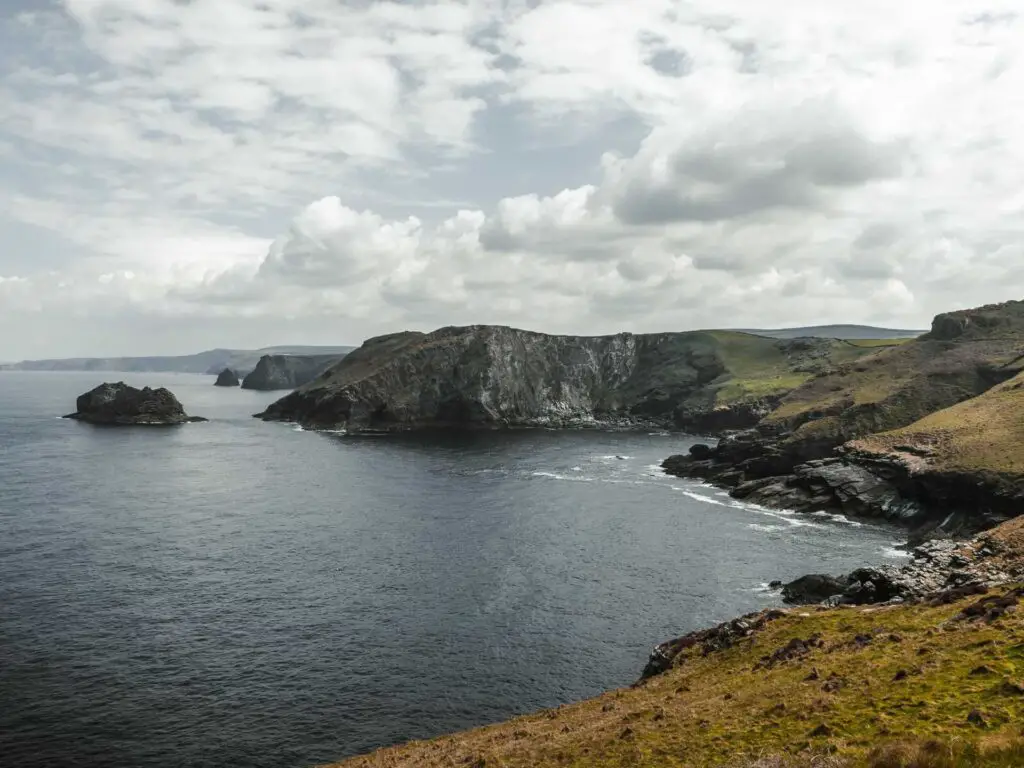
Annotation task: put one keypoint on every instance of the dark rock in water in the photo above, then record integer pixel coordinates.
(121, 405)
(700, 452)
(227, 378)
(813, 588)
(275, 372)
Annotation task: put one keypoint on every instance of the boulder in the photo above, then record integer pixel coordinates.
(121, 405)
(813, 588)
(227, 378)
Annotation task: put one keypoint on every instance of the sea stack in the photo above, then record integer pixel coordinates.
(121, 405)
(275, 372)
(227, 378)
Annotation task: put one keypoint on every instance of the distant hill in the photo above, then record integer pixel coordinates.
(836, 332)
(212, 361)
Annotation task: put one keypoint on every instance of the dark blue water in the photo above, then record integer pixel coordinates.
(241, 593)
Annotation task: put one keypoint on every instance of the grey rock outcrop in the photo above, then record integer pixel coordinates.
(227, 378)
(275, 372)
(121, 405)
(935, 566)
(494, 376)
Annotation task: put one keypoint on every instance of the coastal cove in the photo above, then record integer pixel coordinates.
(244, 592)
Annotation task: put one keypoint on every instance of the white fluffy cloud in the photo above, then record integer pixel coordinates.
(241, 167)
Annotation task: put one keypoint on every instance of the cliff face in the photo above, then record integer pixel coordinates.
(287, 371)
(498, 376)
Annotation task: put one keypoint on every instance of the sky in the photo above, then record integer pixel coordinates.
(177, 175)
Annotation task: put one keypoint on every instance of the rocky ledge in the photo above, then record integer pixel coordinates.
(936, 566)
(227, 378)
(121, 405)
(762, 467)
(940, 573)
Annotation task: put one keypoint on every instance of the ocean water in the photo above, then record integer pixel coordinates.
(241, 593)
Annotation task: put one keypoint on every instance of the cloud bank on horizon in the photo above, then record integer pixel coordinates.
(177, 175)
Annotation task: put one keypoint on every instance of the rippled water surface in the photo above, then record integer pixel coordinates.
(241, 593)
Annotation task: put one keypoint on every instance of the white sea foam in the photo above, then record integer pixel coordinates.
(836, 518)
(556, 476)
(766, 528)
(701, 497)
(893, 551)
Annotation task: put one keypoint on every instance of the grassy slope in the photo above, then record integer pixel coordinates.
(762, 367)
(719, 709)
(983, 433)
(898, 385)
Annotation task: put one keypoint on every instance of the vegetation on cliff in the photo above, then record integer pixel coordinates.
(983, 434)
(965, 354)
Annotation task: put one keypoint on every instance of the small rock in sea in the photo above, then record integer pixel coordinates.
(227, 378)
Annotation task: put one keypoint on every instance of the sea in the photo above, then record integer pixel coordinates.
(241, 593)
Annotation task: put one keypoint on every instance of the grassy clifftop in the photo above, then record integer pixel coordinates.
(965, 354)
(940, 682)
(760, 367)
(983, 434)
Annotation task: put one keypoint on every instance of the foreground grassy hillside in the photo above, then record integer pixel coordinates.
(914, 686)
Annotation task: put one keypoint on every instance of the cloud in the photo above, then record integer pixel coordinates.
(283, 167)
(758, 158)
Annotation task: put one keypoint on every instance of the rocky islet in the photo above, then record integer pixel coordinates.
(121, 405)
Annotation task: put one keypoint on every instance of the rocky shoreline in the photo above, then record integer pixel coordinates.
(760, 468)
(939, 572)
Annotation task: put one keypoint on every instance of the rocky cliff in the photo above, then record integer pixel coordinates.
(121, 405)
(925, 434)
(274, 372)
(227, 378)
(492, 376)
